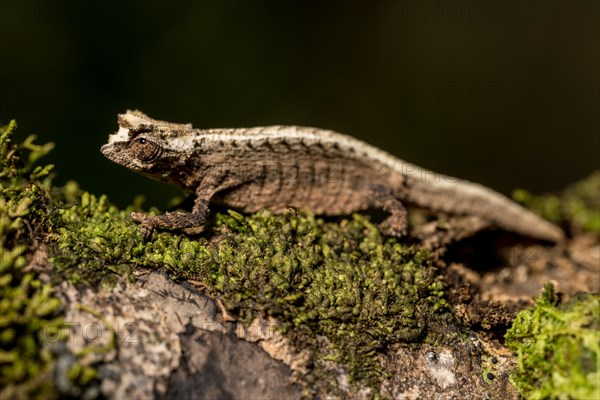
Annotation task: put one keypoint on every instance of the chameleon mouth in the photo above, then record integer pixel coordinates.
(110, 150)
(105, 149)
(115, 142)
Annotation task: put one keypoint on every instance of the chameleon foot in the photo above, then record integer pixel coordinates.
(396, 224)
(170, 220)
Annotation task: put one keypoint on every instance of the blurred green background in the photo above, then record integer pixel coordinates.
(505, 93)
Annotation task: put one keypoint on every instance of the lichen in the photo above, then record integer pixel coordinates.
(558, 347)
(577, 207)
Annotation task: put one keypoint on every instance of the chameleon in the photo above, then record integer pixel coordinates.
(278, 167)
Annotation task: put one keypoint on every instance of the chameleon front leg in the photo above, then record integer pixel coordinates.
(173, 220)
(211, 185)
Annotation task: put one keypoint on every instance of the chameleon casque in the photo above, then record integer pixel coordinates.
(277, 167)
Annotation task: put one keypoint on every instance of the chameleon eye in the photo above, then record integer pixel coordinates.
(147, 150)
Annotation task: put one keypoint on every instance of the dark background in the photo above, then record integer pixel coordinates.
(505, 93)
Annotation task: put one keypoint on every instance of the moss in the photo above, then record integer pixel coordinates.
(28, 311)
(578, 206)
(343, 282)
(558, 348)
(94, 243)
(30, 324)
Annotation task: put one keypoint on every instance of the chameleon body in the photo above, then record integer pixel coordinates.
(277, 167)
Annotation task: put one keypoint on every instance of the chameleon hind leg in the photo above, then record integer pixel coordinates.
(396, 223)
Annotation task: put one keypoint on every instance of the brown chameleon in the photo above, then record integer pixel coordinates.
(278, 167)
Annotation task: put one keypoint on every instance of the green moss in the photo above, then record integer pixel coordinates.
(558, 348)
(94, 242)
(578, 206)
(30, 322)
(28, 311)
(344, 282)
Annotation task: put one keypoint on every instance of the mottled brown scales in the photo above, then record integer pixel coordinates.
(278, 167)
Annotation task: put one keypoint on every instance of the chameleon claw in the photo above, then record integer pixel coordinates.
(146, 231)
(137, 217)
(147, 226)
(392, 230)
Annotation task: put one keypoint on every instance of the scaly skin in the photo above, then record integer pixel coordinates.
(277, 167)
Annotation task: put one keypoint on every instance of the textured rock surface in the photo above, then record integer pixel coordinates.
(157, 338)
(168, 344)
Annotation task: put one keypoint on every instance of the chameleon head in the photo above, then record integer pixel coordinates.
(142, 145)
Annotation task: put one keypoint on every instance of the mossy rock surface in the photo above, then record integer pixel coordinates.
(341, 309)
(558, 347)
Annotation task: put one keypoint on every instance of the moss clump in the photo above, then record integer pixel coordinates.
(578, 206)
(558, 348)
(28, 311)
(343, 282)
(94, 243)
